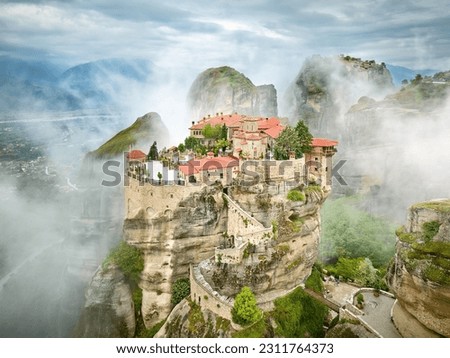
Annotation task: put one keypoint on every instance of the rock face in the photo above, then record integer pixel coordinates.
(176, 226)
(109, 310)
(225, 90)
(325, 89)
(420, 274)
(173, 227)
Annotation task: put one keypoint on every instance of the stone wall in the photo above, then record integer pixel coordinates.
(203, 294)
(155, 199)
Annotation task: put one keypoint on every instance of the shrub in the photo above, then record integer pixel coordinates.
(299, 315)
(360, 298)
(128, 258)
(430, 229)
(180, 289)
(295, 195)
(314, 281)
(245, 311)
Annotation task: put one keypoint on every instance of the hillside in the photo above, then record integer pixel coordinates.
(141, 133)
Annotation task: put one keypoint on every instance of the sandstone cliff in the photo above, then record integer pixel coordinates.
(326, 87)
(224, 89)
(108, 310)
(420, 274)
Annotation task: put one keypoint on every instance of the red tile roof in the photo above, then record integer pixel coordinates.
(195, 166)
(266, 123)
(228, 119)
(323, 142)
(275, 131)
(136, 154)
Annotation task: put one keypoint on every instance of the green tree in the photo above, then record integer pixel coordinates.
(180, 289)
(304, 136)
(153, 153)
(191, 143)
(224, 132)
(286, 143)
(181, 147)
(245, 311)
(211, 132)
(222, 144)
(129, 259)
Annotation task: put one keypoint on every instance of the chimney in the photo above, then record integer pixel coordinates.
(209, 116)
(193, 122)
(221, 113)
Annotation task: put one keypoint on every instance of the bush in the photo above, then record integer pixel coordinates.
(314, 281)
(128, 258)
(360, 298)
(430, 229)
(299, 315)
(295, 195)
(245, 311)
(180, 289)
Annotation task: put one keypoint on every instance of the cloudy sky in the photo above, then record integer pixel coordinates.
(262, 38)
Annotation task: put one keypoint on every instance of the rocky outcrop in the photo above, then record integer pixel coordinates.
(109, 309)
(225, 90)
(184, 229)
(325, 89)
(420, 274)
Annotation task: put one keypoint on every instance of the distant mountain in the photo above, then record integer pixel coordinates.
(36, 72)
(400, 73)
(103, 80)
(27, 86)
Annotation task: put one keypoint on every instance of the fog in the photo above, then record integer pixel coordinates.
(58, 223)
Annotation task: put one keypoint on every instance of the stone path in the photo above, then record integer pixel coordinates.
(377, 313)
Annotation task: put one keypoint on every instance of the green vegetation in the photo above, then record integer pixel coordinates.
(196, 326)
(421, 92)
(296, 139)
(350, 232)
(128, 258)
(294, 264)
(430, 229)
(256, 330)
(245, 311)
(211, 132)
(437, 274)
(121, 142)
(153, 153)
(407, 237)
(225, 74)
(439, 206)
(313, 188)
(295, 195)
(359, 270)
(180, 289)
(436, 248)
(314, 281)
(360, 298)
(299, 315)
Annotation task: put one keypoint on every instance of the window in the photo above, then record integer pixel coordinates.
(221, 175)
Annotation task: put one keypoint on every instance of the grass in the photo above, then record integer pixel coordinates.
(140, 130)
(405, 236)
(295, 195)
(436, 274)
(256, 330)
(430, 229)
(438, 205)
